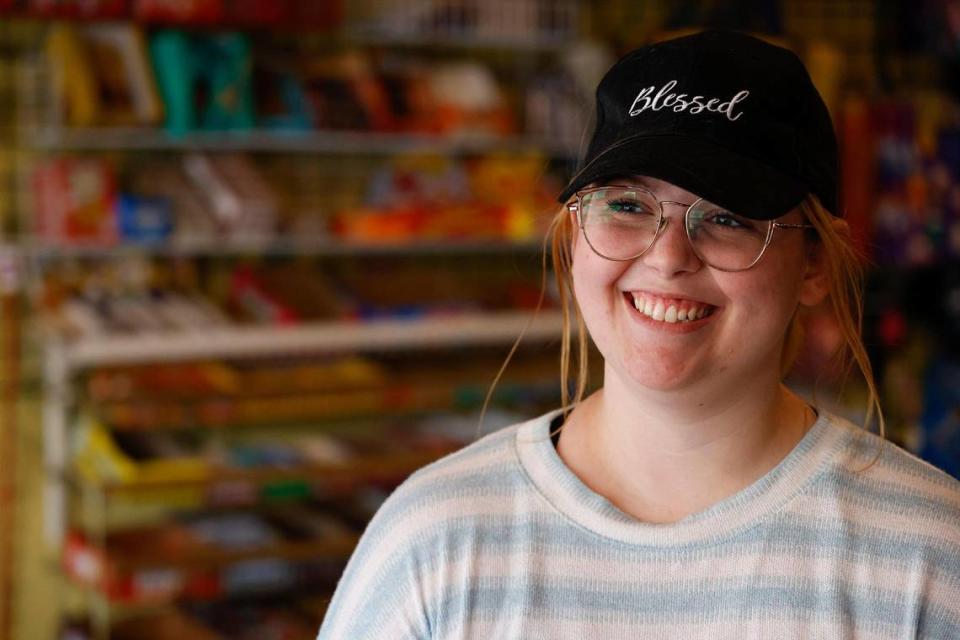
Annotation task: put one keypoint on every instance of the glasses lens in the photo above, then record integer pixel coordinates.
(619, 222)
(723, 239)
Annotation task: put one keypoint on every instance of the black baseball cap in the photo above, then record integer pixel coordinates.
(727, 116)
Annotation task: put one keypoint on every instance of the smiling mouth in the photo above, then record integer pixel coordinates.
(669, 310)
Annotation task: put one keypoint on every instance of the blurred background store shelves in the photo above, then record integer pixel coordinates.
(260, 260)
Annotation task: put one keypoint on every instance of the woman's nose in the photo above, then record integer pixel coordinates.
(671, 252)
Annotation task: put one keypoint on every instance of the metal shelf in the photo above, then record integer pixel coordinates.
(466, 40)
(320, 142)
(273, 247)
(325, 337)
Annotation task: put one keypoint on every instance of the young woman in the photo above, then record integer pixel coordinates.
(693, 495)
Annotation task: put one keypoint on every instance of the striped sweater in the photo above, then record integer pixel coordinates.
(502, 540)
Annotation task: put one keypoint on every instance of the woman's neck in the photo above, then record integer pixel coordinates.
(662, 461)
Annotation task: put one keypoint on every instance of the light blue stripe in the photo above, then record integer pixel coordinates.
(501, 480)
(463, 539)
(883, 496)
(705, 600)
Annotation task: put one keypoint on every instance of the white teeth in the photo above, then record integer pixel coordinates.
(658, 311)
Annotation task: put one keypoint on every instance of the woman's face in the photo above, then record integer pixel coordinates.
(746, 313)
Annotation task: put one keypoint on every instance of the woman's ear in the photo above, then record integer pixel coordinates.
(816, 281)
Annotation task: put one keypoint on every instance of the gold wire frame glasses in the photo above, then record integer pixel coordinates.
(622, 222)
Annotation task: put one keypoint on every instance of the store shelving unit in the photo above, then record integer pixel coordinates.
(63, 359)
(328, 338)
(73, 502)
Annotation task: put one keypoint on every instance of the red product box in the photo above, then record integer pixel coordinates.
(75, 201)
(72, 8)
(87, 564)
(180, 11)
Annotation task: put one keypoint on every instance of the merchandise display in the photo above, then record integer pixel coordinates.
(918, 173)
(314, 224)
(208, 200)
(211, 481)
(206, 556)
(138, 297)
(193, 82)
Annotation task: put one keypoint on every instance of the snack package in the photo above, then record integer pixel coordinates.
(205, 80)
(192, 222)
(241, 201)
(102, 76)
(344, 92)
(74, 201)
(144, 220)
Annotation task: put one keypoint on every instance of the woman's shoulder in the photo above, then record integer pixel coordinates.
(894, 464)
(885, 482)
(491, 451)
(484, 474)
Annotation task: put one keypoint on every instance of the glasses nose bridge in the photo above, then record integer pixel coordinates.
(685, 205)
(663, 219)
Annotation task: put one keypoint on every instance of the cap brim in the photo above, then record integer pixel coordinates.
(733, 181)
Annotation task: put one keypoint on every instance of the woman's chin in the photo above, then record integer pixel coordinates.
(662, 375)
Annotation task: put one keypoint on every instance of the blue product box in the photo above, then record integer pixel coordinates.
(144, 220)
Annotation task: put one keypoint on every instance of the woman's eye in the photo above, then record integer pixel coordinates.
(729, 220)
(625, 205)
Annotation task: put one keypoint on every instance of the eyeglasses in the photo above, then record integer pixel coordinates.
(622, 223)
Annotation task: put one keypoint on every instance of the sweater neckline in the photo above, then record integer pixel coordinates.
(567, 493)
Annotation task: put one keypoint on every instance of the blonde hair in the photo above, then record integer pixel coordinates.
(845, 301)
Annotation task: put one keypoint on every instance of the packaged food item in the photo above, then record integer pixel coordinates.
(75, 201)
(252, 576)
(109, 571)
(167, 624)
(143, 220)
(283, 294)
(193, 222)
(102, 456)
(205, 80)
(468, 101)
(233, 531)
(101, 75)
(250, 296)
(239, 198)
(344, 92)
(273, 619)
